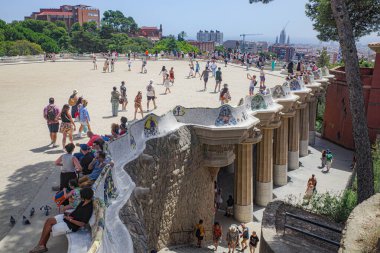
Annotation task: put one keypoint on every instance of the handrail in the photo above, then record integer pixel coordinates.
(313, 222)
(309, 233)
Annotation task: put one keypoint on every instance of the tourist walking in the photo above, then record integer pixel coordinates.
(252, 83)
(84, 119)
(262, 79)
(163, 72)
(138, 104)
(290, 67)
(329, 160)
(244, 236)
(199, 233)
(106, 67)
(191, 72)
(69, 164)
(112, 65)
(230, 206)
(151, 95)
(51, 113)
(218, 79)
(171, 75)
(213, 68)
(313, 182)
(232, 238)
(123, 95)
(129, 64)
(273, 64)
(67, 125)
(94, 62)
(216, 234)
(253, 241)
(225, 96)
(323, 159)
(205, 75)
(143, 66)
(115, 97)
(73, 99)
(167, 84)
(197, 69)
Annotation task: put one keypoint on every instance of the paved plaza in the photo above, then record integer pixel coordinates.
(28, 169)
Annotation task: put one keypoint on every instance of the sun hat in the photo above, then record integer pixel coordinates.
(225, 85)
(75, 91)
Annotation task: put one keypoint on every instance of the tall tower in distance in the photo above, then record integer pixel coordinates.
(282, 37)
(288, 41)
(277, 40)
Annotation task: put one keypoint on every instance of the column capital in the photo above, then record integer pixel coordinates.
(218, 155)
(254, 136)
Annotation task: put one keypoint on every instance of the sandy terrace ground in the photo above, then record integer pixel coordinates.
(25, 89)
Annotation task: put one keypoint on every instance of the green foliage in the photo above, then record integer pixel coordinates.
(320, 114)
(171, 44)
(364, 16)
(119, 22)
(324, 59)
(363, 63)
(20, 47)
(181, 36)
(220, 48)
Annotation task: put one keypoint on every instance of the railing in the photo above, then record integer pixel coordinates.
(335, 243)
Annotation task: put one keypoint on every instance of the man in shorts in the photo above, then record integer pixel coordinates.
(151, 95)
(50, 114)
(205, 75)
(67, 223)
(218, 79)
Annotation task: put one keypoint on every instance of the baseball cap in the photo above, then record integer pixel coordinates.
(84, 147)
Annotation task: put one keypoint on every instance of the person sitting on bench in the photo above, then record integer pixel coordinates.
(63, 224)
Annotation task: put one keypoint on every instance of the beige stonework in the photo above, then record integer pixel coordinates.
(243, 209)
(280, 154)
(304, 131)
(264, 168)
(312, 120)
(294, 133)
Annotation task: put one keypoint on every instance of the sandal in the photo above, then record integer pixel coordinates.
(39, 249)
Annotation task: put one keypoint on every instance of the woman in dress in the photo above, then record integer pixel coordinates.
(123, 93)
(164, 72)
(138, 105)
(167, 84)
(171, 75)
(67, 125)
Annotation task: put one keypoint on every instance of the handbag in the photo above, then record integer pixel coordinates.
(59, 198)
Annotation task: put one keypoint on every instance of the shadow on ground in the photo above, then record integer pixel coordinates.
(20, 191)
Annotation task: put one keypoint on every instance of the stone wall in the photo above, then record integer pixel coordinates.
(173, 192)
(362, 231)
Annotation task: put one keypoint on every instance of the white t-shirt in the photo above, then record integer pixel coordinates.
(252, 84)
(150, 90)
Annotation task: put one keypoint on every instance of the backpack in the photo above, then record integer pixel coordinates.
(51, 113)
(198, 232)
(72, 101)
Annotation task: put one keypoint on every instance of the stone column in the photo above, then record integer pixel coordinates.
(243, 208)
(304, 135)
(264, 184)
(280, 153)
(213, 173)
(312, 120)
(294, 133)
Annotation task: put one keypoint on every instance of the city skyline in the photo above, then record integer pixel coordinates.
(267, 19)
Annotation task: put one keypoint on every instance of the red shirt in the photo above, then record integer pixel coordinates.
(92, 139)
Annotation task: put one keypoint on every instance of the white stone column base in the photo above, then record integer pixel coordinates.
(311, 138)
(264, 193)
(280, 174)
(293, 160)
(304, 148)
(243, 213)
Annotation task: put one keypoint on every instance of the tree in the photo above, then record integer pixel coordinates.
(347, 20)
(324, 58)
(119, 22)
(181, 36)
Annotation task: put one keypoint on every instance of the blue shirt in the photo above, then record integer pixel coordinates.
(96, 170)
(83, 114)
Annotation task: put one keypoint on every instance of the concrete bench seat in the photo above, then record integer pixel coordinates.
(79, 242)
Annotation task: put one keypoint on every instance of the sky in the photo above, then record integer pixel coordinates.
(232, 17)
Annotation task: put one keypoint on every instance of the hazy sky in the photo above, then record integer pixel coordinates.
(232, 17)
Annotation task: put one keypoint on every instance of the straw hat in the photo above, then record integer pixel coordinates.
(75, 91)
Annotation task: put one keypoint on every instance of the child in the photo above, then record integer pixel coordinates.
(72, 194)
(129, 64)
(252, 84)
(253, 241)
(199, 232)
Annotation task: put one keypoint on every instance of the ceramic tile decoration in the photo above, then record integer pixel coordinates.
(150, 126)
(225, 117)
(258, 103)
(179, 111)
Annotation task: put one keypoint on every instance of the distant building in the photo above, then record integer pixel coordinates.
(203, 46)
(283, 52)
(232, 44)
(69, 14)
(282, 37)
(206, 36)
(153, 33)
(262, 46)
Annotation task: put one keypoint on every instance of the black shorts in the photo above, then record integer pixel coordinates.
(53, 128)
(200, 238)
(151, 98)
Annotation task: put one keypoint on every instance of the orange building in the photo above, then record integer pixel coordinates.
(68, 14)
